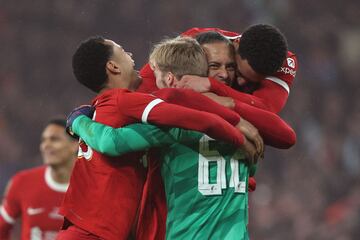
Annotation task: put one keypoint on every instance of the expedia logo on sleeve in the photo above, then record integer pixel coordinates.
(290, 62)
(287, 70)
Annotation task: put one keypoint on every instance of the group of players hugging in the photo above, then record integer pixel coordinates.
(171, 152)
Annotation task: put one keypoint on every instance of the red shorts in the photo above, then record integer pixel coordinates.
(73, 232)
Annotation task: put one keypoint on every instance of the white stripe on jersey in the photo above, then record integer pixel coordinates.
(52, 184)
(280, 82)
(148, 108)
(232, 38)
(6, 216)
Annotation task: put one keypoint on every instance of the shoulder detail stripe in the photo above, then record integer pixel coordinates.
(280, 82)
(148, 109)
(6, 216)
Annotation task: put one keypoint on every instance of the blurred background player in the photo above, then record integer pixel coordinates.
(35, 195)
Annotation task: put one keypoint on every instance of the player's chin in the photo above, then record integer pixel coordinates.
(51, 161)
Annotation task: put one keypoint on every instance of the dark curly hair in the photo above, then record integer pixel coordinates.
(265, 48)
(89, 60)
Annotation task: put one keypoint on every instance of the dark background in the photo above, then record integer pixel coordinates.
(309, 192)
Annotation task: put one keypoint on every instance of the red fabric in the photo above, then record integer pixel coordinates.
(287, 72)
(117, 183)
(31, 198)
(152, 211)
(5, 229)
(275, 131)
(148, 84)
(75, 233)
(252, 184)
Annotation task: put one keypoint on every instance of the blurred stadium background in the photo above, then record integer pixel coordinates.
(309, 192)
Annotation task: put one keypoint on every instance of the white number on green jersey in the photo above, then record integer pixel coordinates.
(208, 156)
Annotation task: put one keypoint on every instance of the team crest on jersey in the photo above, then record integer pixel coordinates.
(290, 62)
(84, 151)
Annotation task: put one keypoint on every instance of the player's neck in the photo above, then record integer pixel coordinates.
(61, 174)
(116, 82)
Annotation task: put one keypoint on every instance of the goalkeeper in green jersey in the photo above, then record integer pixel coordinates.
(205, 180)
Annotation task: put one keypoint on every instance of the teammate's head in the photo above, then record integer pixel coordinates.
(57, 147)
(99, 63)
(173, 58)
(220, 55)
(261, 52)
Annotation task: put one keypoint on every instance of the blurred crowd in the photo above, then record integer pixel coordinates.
(311, 191)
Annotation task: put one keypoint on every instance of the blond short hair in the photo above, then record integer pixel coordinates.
(180, 56)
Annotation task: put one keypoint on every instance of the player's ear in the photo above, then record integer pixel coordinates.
(170, 80)
(113, 67)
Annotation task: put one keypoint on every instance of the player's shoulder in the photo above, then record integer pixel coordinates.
(35, 171)
(108, 97)
(287, 72)
(28, 175)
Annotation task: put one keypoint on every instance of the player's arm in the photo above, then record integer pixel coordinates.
(275, 131)
(253, 100)
(272, 128)
(149, 109)
(194, 100)
(191, 99)
(204, 84)
(9, 209)
(131, 138)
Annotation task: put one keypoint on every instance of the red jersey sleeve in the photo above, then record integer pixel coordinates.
(286, 74)
(191, 99)
(275, 131)
(5, 229)
(223, 90)
(274, 90)
(150, 109)
(10, 208)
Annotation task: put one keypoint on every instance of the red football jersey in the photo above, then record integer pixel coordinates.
(105, 192)
(34, 197)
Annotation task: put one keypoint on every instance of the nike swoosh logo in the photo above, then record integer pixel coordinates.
(34, 211)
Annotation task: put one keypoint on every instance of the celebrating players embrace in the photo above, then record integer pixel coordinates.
(175, 160)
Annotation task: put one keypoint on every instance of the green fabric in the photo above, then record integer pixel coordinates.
(132, 138)
(204, 197)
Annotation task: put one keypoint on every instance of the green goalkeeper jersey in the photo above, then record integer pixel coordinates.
(206, 190)
(205, 180)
